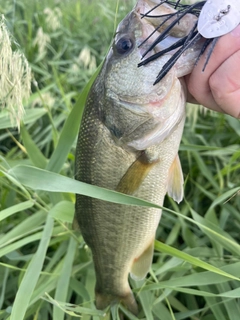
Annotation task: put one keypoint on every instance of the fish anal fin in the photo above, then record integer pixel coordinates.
(175, 181)
(141, 265)
(135, 175)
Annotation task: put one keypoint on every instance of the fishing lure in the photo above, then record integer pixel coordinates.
(215, 18)
(218, 17)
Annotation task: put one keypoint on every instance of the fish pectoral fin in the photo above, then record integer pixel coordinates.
(141, 265)
(135, 175)
(175, 181)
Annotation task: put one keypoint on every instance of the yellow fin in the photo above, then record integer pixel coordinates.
(175, 181)
(142, 264)
(135, 175)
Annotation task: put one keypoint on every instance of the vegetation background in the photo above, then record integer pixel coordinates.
(46, 270)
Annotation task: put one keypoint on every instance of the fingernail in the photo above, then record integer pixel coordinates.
(236, 32)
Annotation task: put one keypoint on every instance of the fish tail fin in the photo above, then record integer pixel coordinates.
(103, 300)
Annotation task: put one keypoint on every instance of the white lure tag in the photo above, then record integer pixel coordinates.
(218, 17)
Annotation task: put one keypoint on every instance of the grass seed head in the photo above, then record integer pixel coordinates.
(87, 59)
(15, 80)
(41, 40)
(53, 18)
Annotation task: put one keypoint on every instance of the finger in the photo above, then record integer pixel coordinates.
(225, 85)
(198, 81)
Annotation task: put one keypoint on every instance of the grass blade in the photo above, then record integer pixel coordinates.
(32, 274)
(16, 208)
(70, 130)
(39, 179)
(33, 151)
(64, 279)
(195, 261)
(31, 116)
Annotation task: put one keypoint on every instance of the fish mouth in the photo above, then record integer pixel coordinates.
(178, 14)
(147, 40)
(163, 32)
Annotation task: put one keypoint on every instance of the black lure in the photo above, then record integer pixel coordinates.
(183, 43)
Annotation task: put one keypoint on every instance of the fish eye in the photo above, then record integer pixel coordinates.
(124, 45)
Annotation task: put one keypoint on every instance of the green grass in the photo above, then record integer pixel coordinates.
(46, 270)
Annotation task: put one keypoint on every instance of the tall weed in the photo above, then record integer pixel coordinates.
(46, 269)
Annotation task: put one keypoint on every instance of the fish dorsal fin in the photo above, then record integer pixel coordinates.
(135, 175)
(141, 265)
(175, 181)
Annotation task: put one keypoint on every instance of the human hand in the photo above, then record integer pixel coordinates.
(218, 87)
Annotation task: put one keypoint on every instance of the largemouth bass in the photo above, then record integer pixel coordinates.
(128, 142)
